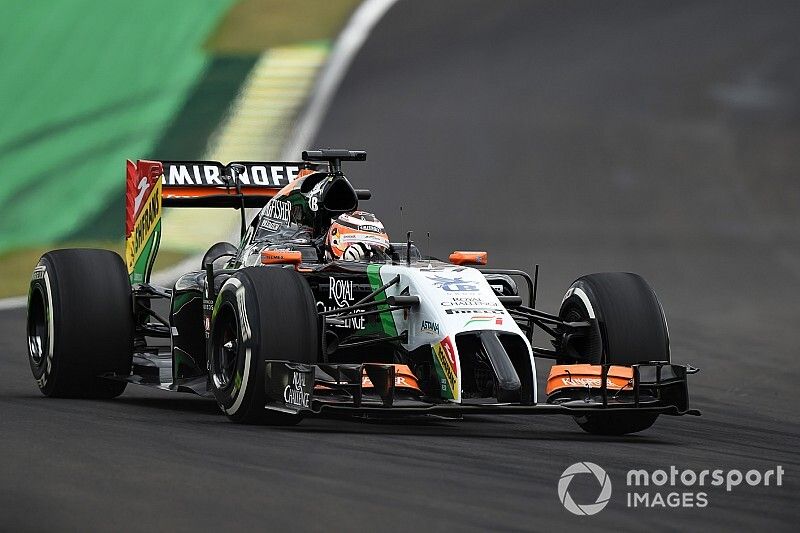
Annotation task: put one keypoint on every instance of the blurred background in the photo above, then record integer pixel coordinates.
(88, 84)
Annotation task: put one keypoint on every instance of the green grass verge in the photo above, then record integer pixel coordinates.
(16, 266)
(250, 27)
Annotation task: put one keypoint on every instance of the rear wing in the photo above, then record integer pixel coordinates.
(212, 184)
(152, 185)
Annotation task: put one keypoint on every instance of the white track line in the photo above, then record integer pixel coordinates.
(347, 45)
(13, 303)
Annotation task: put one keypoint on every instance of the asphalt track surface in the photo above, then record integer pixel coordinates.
(655, 137)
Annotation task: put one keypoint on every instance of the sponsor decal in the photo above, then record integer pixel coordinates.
(362, 220)
(38, 272)
(588, 382)
(472, 311)
(210, 174)
(485, 319)
(296, 394)
(276, 214)
(340, 292)
(370, 227)
(270, 224)
(202, 174)
(430, 327)
(447, 367)
(456, 284)
(280, 256)
(468, 301)
(399, 381)
(583, 376)
(365, 238)
(147, 219)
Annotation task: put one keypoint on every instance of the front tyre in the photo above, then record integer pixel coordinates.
(261, 313)
(616, 423)
(630, 329)
(80, 323)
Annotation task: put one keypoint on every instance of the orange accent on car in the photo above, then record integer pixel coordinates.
(281, 257)
(404, 378)
(469, 258)
(584, 375)
(304, 172)
(202, 192)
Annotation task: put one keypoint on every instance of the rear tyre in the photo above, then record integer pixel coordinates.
(80, 323)
(261, 313)
(631, 328)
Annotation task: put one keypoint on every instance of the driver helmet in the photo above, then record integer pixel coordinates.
(355, 236)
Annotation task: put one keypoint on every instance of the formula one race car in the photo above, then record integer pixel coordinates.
(316, 312)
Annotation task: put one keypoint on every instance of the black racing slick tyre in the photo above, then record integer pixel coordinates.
(80, 323)
(630, 329)
(261, 313)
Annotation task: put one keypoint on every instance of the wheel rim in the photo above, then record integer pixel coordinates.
(589, 347)
(38, 331)
(225, 352)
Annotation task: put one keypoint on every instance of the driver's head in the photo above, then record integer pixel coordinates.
(355, 236)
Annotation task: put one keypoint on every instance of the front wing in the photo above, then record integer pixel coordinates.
(338, 389)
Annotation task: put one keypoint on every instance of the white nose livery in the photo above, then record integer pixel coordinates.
(453, 300)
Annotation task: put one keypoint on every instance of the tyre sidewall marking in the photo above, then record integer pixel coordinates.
(233, 293)
(40, 281)
(578, 290)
